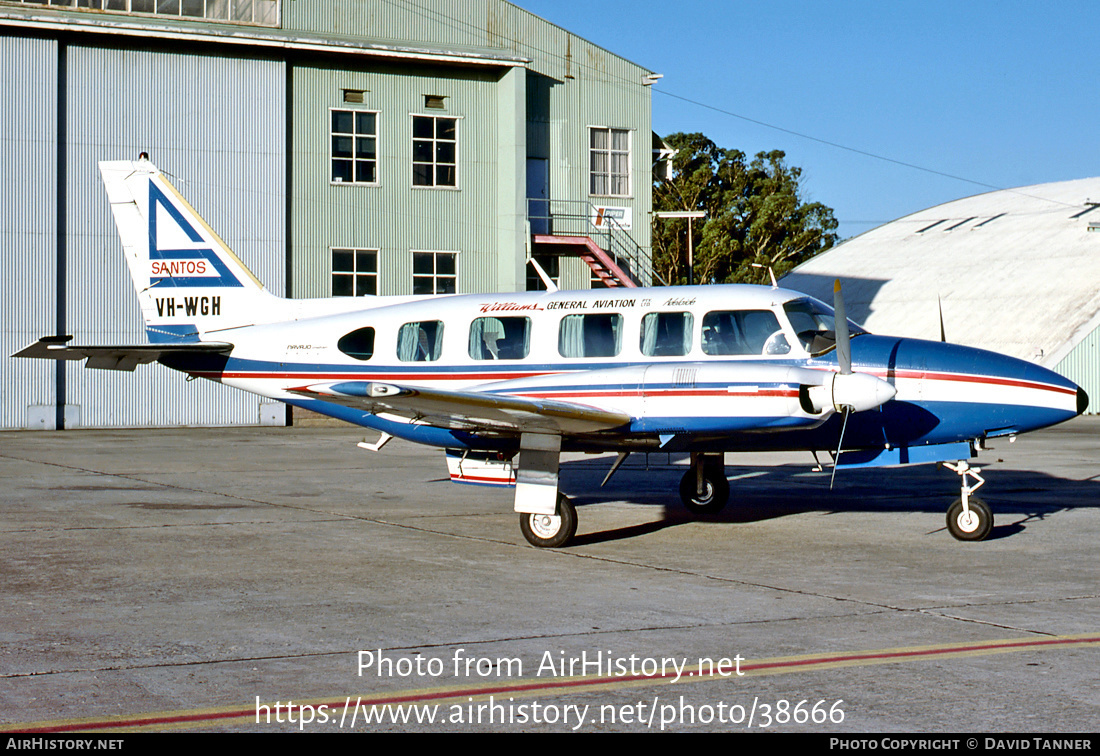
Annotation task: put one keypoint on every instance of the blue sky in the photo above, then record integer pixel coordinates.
(1000, 93)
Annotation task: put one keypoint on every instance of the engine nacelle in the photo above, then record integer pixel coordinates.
(860, 391)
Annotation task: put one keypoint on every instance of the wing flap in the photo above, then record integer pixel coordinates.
(467, 410)
(115, 357)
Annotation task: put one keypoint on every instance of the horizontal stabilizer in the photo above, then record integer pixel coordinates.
(467, 410)
(115, 357)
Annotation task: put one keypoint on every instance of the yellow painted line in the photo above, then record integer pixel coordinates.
(528, 687)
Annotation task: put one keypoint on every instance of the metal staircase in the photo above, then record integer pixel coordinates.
(569, 228)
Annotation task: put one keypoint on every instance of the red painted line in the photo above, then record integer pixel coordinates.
(970, 378)
(567, 684)
(480, 479)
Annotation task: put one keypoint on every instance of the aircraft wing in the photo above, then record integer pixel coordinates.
(467, 410)
(120, 357)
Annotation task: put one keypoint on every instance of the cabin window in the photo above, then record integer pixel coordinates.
(354, 144)
(434, 273)
(354, 272)
(435, 151)
(358, 344)
(500, 338)
(609, 162)
(420, 342)
(666, 334)
(743, 332)
(590, 335)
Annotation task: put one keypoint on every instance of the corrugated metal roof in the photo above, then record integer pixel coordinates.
(156, 27)
(1017, 271)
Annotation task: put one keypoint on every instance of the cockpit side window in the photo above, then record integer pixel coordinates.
(743, 332)
(420, 342)
(815, 324)
(358, 344)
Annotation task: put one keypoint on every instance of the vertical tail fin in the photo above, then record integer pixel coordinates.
(187, 279)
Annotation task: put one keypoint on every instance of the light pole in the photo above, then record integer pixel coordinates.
(689, 214)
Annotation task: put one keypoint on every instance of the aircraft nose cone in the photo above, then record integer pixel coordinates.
(1082, 400)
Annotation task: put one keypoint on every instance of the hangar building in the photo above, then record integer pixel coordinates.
(341, 147)
(1016, 271)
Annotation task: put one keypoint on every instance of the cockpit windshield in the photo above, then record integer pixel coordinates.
(815, 324)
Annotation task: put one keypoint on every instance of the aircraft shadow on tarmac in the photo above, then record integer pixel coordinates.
(1018, 497)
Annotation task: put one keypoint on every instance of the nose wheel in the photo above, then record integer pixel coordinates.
(969, 518)
(970, 523)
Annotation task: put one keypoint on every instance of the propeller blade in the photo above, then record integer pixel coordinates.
(843, 337)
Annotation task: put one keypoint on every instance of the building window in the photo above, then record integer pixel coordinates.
(435, 148)
(609, 161)
(354, 272)
(354, 147)
(550, 266)
(434, 273)
(262, 12)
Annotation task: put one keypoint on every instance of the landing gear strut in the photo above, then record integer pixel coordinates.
(704, 488)
(969, 518)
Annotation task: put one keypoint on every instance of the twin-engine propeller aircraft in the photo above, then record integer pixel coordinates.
(702, 370)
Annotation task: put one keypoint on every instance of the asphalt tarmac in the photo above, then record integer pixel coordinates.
(271, 579)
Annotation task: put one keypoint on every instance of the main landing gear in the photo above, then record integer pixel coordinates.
(550, 531)
(704, 488)
(969, 518)
(548, 519)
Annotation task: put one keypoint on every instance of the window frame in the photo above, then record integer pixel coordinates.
(610, 174)
(354, 273)
(435, 141)
(435, 275)
(332, 133)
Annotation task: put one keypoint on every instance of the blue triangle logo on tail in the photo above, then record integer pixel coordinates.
(185, 259)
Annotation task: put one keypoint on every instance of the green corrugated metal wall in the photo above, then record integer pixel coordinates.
(506, 114)
(1082, 366)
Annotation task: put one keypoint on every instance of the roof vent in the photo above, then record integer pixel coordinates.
(354, 95)
(990, 220)
(1089, 207)
(435, 102)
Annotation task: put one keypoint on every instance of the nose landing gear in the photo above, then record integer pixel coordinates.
(969, 518)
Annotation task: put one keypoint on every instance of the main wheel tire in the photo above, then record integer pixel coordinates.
(550, 531)
(716, 491)
(974, 526)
